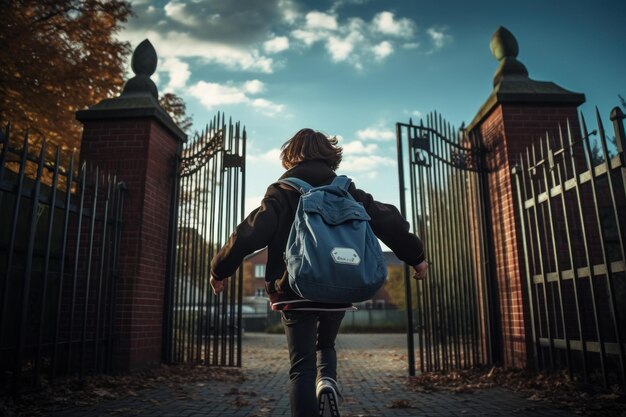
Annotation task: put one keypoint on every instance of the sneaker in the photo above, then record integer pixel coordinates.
(329, 398)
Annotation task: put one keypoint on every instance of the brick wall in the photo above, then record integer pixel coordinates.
(506, 132)
(141, 152)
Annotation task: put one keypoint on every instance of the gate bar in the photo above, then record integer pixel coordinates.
(92, 227)
(83, 186)
(66, 218)
(555, 252)
(518, 171)
(192, 300)
(592, 284)
(453, 212)
(16, 211)
(205, 272)
(540, 251)
(419, 227)
(21, 322)
(491, 304)
(46, 268)
(580, 318)
(105, 222)
(605, 256)
(407, 282)
(445, 302)
(168, 313)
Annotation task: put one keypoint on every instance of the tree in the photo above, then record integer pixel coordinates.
(175, 106)
(248, 279)
(396, 289)
(57, 57)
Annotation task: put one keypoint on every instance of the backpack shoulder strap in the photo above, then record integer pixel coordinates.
(342, 182)
(296, 183)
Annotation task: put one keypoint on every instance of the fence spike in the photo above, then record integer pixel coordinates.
(603, 139)
(617, 117)
(585, 140)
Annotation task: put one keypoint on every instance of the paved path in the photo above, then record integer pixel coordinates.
(372, 371)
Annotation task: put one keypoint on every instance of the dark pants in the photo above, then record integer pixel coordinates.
(311, 340)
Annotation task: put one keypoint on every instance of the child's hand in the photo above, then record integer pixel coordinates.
(218, 286)
(421, 270)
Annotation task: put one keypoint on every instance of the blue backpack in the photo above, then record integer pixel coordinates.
(332, 255)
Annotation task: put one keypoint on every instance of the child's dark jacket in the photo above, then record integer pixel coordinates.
(269, 226)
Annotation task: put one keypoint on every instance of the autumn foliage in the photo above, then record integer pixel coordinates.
(57, 57)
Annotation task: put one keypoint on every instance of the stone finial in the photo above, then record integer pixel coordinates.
(512, 85)
(143, 64)
(503, 44)
(504, 48)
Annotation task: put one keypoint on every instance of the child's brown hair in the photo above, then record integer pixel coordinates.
(310, 144)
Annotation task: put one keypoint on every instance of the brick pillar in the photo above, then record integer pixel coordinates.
(518, 112)
(132, 137)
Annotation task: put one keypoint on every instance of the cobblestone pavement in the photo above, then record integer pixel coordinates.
(372, 373)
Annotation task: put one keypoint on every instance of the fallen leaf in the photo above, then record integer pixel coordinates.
(400, 404)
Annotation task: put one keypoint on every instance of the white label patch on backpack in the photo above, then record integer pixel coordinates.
(346, 256)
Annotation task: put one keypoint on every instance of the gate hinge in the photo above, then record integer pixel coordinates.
(233, 161)
(421, 143)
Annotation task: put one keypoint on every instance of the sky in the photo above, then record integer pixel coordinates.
(353, 68)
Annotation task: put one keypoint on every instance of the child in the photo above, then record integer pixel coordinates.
(311, 327)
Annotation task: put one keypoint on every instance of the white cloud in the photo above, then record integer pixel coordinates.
(174, 44)
(383, 50)
(339, 49)
(307, 36)
(289, 10)
(267, 107)
(357, 147)
(366, 163)
(340, 3)
(222, 34)
(276, 45)
(362, 158)
(411, 45)
(177, 12)
(439, 37)
(254, 87)
(272, 156)
(212, 95)
(415, 115)
(385, 23)
(352, 40)
(374, 133)
(263, 167)
(252, 203)
(178, 72)
(319, 20)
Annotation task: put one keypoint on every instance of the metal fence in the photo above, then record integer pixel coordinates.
(208, 204)
(60, 230)
(571, 194)
(452, 315)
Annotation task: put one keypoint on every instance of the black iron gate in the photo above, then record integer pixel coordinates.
(449, 311)
(60, 231)
(208, 204)
(571, 199)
